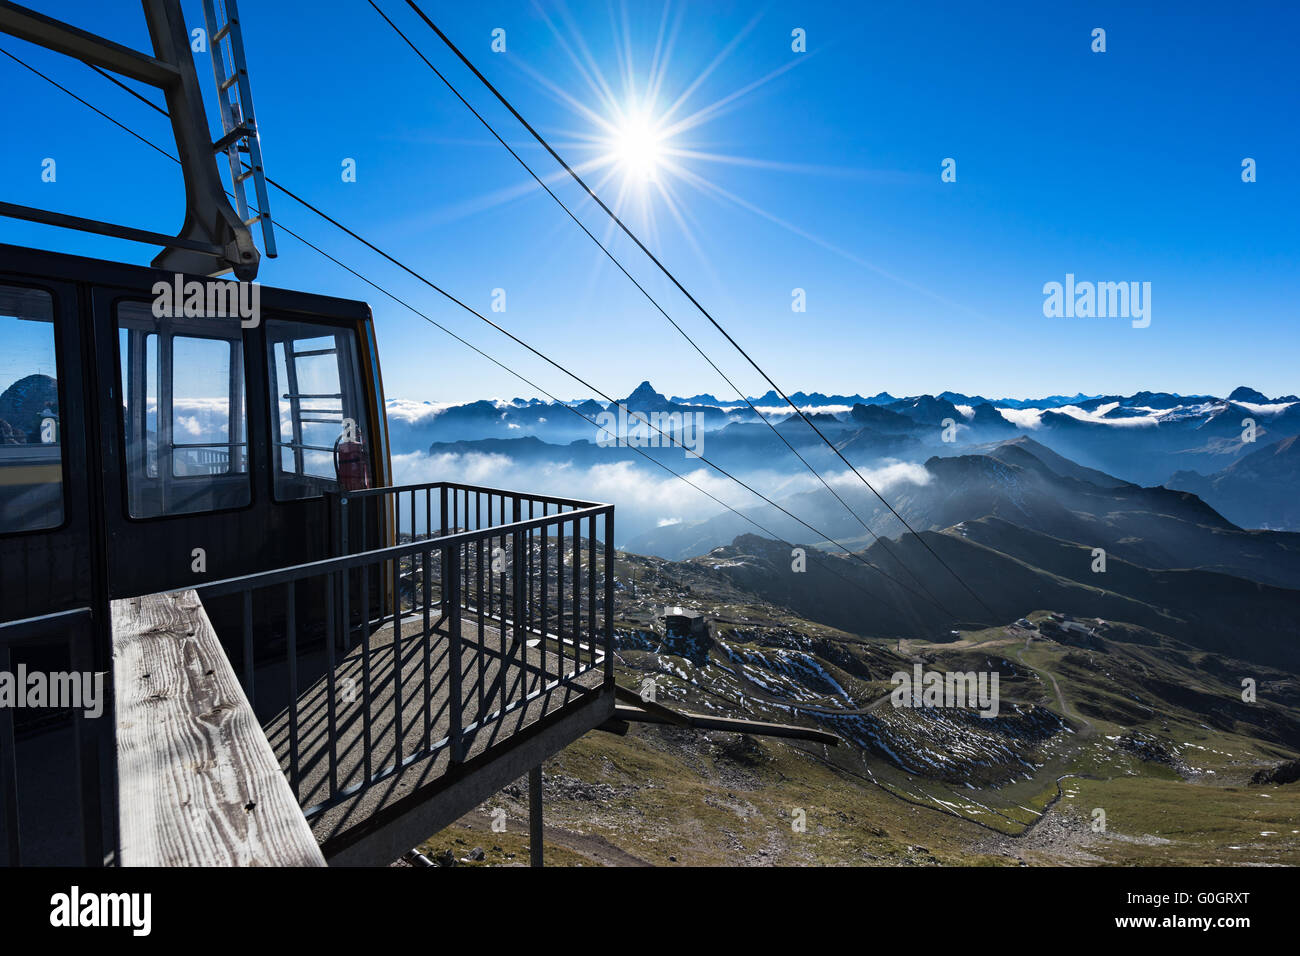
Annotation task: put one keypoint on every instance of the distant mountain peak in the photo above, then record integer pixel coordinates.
(704, 398)
(645, 392)
(1244, 394)
(644, 398)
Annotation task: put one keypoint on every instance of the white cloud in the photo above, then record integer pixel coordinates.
(1144, 417)
(415, 413)
(1029, 418)
(642, 494)
(884, 478)
(1273, 409)
(781, 411)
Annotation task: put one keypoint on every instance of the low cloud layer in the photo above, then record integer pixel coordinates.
(644, 499)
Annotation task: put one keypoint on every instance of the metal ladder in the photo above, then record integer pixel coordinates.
(235, 103)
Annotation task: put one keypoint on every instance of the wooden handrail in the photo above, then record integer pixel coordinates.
(198, 783)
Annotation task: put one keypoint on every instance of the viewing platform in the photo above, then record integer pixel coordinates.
(339, 711)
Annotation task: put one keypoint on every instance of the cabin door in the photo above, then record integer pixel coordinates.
(174, 421)
(48, 503)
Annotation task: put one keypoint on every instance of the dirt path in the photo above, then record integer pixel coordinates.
(1061, 703)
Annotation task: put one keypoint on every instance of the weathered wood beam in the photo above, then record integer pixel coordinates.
(198, 783)
(667, 715)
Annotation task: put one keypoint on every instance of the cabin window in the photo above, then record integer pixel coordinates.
(183, 412)
(316, 404)
(31, 442)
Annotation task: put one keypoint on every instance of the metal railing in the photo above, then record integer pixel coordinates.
(37, 745)
(208, 458)
(365, 663)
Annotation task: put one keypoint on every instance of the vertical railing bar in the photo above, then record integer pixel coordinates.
(503, 672)
(529, 605)
(345, 598)
(478, 525)
(559, 593)
(519, 649)
(428, 639)
(454, 654)
(478, 579)
(577, 593)
(507, 649)
(444, 561)
(546, 592)
(331, 609)
(397, 670)
(464, 592)
(365, 669)
(343, 524)
(291, 650)
(609, 599)
(591, 591)
(505, 603)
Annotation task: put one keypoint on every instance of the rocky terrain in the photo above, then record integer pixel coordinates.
(1151, 732)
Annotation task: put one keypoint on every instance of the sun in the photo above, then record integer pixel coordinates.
(638, 146)
(641, 121)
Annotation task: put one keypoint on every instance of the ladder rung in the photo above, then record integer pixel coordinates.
(221, 34)
(235, 134)
(229, 81)
(244, 175)
(257, 218)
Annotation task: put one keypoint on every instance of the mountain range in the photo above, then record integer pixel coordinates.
(1124, 563)
(1233, 452)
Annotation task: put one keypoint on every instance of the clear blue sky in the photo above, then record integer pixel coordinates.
(1117, 166)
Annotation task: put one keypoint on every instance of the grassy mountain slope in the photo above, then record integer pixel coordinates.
(1146, 728)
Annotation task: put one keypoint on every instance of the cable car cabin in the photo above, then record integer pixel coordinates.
(142, 451)
(201, 497)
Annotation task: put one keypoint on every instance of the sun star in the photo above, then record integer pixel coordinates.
(638, 147)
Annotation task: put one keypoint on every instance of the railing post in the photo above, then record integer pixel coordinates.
(340, 515)
(591, 591)
(446, 554)
(343, 525)
(577, 596)
(517, 582)
(609, 599)
(451, 598)
(519, 647)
